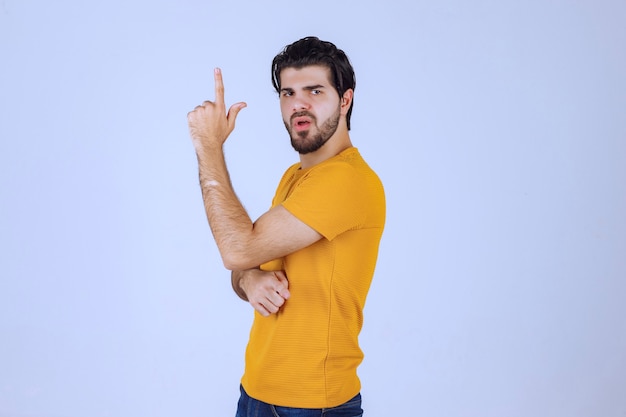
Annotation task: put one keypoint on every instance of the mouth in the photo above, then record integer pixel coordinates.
(301, 123)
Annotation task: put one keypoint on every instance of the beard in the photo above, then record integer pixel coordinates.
(304, 142)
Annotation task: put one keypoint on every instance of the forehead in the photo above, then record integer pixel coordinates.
(310, 75)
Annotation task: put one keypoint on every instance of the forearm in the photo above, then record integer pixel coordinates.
(210, 124)
(230, 223)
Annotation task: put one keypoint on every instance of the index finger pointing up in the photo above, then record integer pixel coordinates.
(219, 86)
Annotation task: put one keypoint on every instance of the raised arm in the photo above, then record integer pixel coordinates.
(242, 243)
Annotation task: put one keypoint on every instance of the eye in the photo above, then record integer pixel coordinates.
(286, 93)
(316, 92)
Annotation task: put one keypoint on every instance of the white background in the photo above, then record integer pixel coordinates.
(497, 127)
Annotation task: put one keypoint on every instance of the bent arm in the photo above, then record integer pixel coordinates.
(242, 243)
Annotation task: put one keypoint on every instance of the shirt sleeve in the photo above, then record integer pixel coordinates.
(330, 199)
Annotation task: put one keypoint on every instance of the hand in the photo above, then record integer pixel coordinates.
(266, 291)
(209, 124)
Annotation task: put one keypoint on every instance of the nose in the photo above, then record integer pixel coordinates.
(299, 103)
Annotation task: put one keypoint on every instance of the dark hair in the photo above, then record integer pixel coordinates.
(312, 51)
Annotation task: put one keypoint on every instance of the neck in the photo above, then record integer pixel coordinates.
(338, 143)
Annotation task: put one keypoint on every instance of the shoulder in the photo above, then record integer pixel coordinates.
(290, 173)
(347, 166)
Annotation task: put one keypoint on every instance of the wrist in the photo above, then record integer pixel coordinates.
(207, 151)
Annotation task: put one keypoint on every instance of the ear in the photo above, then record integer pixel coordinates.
(346, 101)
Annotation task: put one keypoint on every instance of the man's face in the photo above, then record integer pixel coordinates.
(310, 106)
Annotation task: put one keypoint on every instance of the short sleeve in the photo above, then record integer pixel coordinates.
(330, 199)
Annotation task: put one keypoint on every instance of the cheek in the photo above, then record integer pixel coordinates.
(284, 110)
(331, 110)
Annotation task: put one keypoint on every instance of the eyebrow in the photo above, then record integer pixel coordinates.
(308, 88)
(314, 87)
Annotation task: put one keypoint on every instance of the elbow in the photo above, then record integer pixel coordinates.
(237, 261)
(239, 254)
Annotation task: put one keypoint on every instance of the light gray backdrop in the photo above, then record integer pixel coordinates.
(498, 128)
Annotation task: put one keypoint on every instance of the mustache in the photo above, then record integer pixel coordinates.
(302, 113)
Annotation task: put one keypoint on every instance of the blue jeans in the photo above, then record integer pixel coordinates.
(249, 407)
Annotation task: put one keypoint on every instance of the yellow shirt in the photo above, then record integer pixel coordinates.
(306, 356)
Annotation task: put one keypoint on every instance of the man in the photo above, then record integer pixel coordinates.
(305, 265)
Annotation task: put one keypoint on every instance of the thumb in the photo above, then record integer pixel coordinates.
(233, 112)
